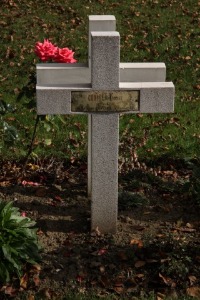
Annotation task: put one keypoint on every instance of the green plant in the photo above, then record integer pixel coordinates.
(18, 242)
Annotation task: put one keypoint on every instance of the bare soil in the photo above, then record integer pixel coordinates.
(156, 247)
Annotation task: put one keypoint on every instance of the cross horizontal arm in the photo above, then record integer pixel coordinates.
(155, 97)
(53, 73)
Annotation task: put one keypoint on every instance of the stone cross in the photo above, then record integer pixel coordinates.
(103, 89)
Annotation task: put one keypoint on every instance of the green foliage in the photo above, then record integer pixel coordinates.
(18, 242)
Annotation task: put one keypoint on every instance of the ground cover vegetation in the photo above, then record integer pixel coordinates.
(155, 254)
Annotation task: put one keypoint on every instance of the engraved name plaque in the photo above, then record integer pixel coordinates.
(104, 101)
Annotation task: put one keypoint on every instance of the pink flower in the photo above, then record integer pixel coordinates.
(64, 55)
(46, 50)
(23, 214)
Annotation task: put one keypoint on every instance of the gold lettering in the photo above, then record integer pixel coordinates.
(108, 101)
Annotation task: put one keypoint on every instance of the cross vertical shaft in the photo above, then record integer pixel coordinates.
(96, 23)
(104, 134)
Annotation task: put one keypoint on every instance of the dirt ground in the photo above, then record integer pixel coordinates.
(156, 247)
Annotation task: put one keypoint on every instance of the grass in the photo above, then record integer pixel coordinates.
(151, 31)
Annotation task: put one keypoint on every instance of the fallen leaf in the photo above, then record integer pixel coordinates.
(31, 183)
(192, 279)
(118, 289)
(168, 281)
(160, 296)
(24, 281)
(9, 290)
(140, 264)
(36, 268)
(33, 166)
(40, 232)
(188, 225)
(139, 243)
(102, 251)
(186, 230)
(140, 115)
(96, 232)
(193, 291)
(58, 198)
(36, 280)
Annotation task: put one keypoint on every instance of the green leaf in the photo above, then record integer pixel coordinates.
(18, 241)
(8, 255)
(4, 273)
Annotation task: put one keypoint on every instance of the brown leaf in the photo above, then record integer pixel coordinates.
(96, 232)
(36, 280)
(118, 289)
(11, 119)
(102, 251)
(3, 23)
(139, 243)
(9, 290)
(192, 279)
(140, 275)
(140, 263)
(40, 232)
(193, 291)
(140, 115)
(58, 198)
(185, 229)
(37, 268)
(160, 296)
(168, 281)
(24, 281)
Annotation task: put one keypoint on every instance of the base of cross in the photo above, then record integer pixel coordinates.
(103, 89)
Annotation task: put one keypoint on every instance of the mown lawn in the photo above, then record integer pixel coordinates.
(152, 31)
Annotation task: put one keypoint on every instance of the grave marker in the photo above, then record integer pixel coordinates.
(103, 89)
